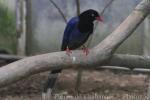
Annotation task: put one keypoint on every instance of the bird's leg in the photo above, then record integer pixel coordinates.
(85, 50)
(68, 51)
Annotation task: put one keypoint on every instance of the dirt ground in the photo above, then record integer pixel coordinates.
(106, 84)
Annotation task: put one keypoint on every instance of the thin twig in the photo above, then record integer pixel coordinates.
(59, 10)
(80, 71)
(104, 9)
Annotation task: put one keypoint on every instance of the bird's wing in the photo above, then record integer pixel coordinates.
(68, 30)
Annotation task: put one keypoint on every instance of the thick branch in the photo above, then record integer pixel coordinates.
(10, 58)
(129, 61)
(126, 28)
(124, 70)
(97, 56)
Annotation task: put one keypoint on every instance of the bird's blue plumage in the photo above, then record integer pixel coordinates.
(73, 38)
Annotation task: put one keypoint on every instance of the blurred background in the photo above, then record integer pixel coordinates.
(36, 26)
(30, 27)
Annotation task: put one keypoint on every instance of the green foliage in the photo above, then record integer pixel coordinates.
(7, 21)
(149, 17)
(7, 29)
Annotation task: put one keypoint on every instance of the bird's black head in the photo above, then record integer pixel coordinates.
(90, 15)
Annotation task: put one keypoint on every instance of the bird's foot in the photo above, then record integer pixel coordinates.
(68, 51)
(85, 50)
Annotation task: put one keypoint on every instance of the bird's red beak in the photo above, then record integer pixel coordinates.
(99, 18)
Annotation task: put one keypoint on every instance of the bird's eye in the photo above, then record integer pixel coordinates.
(92, 15)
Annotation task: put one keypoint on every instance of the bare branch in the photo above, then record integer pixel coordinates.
(109, 3)
(80, 71)
(10, 58)
(114, 40)
(104, 9)
(29, 26)
(78, 6)
(59, 10)
(124, 70)
(130, 61)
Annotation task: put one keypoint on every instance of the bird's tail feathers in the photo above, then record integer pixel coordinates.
(50, 82)
(49, 85)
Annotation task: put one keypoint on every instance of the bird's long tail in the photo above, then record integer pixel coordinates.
(49, 85)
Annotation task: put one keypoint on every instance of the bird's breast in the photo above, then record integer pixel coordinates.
(85, 27)
(77, 35)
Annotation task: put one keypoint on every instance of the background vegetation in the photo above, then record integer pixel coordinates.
(7, 29)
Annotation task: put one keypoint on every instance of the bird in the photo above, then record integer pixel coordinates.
(76, 33)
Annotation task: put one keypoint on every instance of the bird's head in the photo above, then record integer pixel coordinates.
(90, 15)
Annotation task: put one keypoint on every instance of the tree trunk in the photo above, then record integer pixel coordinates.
(21, 26)
(28, 26)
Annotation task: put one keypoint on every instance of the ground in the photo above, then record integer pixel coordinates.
(106, 84)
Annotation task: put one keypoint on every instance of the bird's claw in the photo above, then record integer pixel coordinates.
(85, 50)
(68, 51)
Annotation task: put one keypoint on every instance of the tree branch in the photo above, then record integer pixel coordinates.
(59, 10)
(78, 6)
(114, 40)
(109, 3)
(129, 61)
(10, 58)
(124, 70)
(99, 55)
